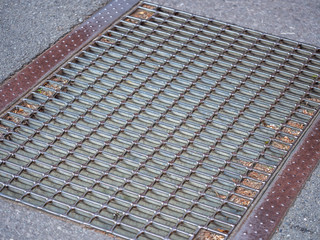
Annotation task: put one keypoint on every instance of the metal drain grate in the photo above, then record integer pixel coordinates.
(166, 126)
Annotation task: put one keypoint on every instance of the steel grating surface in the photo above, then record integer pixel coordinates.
(168, 125)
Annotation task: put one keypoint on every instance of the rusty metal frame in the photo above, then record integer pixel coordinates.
(264, 216)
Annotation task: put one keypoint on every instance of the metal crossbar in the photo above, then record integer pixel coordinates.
(166, 126)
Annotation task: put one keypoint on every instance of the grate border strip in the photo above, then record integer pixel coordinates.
(266, 215)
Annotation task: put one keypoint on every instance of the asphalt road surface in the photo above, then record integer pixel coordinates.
(27, 28)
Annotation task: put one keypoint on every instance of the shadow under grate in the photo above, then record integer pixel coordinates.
(166, 126)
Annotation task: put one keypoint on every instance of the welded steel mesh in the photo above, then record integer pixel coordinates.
(166, 126)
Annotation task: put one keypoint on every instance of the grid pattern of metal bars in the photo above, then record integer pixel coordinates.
(167, 125)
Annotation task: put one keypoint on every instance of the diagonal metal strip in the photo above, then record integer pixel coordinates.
(167, 125)
(281, 193)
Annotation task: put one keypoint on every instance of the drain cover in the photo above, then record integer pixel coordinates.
(168, 125)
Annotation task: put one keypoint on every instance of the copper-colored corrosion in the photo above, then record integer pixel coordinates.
(141, 13)
(206, 235)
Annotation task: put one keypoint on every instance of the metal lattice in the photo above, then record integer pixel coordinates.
(166, 126)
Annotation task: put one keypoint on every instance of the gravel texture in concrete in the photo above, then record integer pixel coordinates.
(27, 28)
(21, 222)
